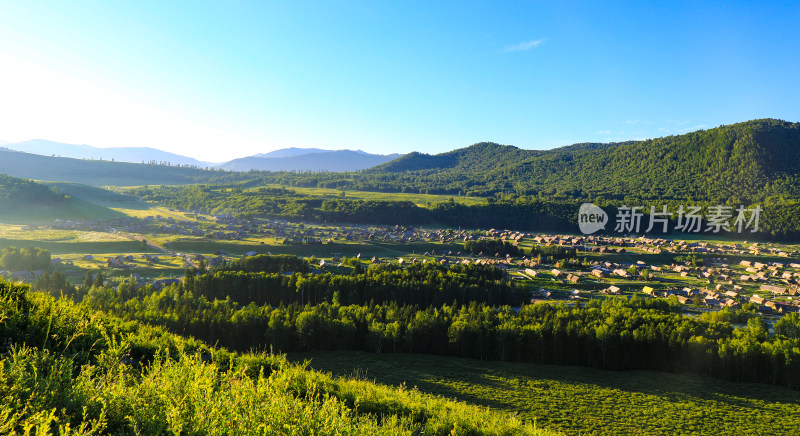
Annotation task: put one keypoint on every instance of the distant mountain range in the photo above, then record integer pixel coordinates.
(309, 159)
(285, 159)
(105, 172)
(122, 154)
(744, 163)
(98, 172)
(291, 151)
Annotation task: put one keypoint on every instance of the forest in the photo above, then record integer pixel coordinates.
(614, 335)
(25, 259)
(15, 191)
(779, 219)
(70, 370)
(746, 163)
(383, 310)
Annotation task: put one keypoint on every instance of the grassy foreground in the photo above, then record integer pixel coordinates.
(65, 369)
(583, 400)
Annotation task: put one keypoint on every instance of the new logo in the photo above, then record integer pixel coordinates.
(591, 218)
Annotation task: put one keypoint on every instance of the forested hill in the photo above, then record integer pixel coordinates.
(745, 162)
(483, 156)
(103, 172)
(16, 192)
(751, 162)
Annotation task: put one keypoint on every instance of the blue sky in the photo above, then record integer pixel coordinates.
(219, 80)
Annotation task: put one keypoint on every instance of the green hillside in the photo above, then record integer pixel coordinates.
(27, 202)
(748, 160)
(583, 400)
(101, 172)
(14, 190)
(65, 369)
(24, 201)
(745, 162)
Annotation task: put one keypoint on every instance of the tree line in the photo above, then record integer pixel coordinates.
(614, 334)
(14, 190)
(779, 219)
(24, 259)
(421, 283)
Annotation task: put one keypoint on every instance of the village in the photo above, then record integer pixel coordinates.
(703, 275)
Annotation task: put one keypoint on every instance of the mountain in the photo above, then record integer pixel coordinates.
(294, 160)
(748, 161)
(122, 154)
(97, 172)
(291, 151)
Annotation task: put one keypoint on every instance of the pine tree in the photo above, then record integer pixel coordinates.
(98, 280)
(88, 280)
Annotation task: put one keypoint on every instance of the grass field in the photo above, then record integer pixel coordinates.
(584, 400)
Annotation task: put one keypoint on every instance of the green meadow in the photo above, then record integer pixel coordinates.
(582, 400)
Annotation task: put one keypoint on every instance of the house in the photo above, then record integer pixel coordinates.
(621, 272)
(730, 302)
(613, 290)
(648, 290)
(774, 289)
(556, 273)
(216, 261)
(755, 299)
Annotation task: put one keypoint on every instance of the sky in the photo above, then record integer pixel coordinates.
(221, 80)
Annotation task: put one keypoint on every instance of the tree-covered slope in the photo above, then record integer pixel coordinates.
(15, 192)
(749, 161)
(66, 369)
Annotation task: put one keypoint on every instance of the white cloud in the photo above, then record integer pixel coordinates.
(522, 46)
(603, 132)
